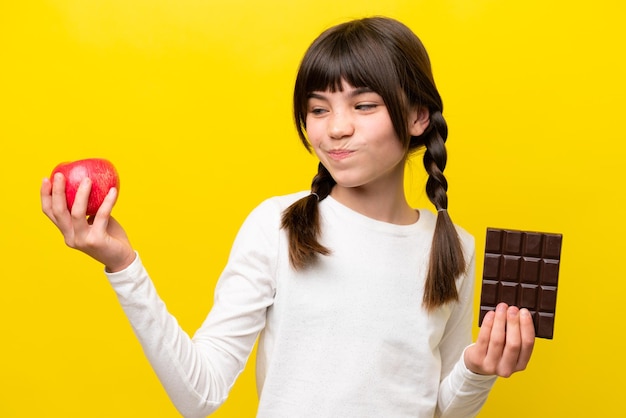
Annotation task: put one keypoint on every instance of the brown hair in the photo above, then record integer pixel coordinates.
(387, 57)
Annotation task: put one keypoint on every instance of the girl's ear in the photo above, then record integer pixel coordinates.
(419, 119)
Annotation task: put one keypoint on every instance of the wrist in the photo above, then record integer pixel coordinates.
(469, 365)
(122, 264)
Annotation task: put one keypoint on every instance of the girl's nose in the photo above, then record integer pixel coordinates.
(340, 126)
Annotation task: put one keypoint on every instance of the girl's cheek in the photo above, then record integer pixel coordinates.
(314, 137)
(317, 151)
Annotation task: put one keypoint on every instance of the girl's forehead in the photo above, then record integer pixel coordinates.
(341, 86)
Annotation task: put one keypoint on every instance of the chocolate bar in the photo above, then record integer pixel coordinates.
(521, 268)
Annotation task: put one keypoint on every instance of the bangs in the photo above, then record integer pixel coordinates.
(349, 56)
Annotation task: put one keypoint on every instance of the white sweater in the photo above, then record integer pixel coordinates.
(345, 338)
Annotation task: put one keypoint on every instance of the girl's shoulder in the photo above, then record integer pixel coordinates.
(270, 210)
(263, 222)
(466, 238)
(284, 201)
(280, 203)
(430, 219)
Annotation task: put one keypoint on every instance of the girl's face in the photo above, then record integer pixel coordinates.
(353, 136)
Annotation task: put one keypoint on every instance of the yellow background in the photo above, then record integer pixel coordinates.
(191, 101)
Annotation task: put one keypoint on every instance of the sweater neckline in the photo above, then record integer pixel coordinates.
(424, 220)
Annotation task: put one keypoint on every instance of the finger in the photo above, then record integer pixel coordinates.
(58, 207)
(46, 197)
(101, 220)
(59, 201)
(82, 197)
(79, 208)
(511, 352)
(482, 342)
(527, 332)
(497, 336)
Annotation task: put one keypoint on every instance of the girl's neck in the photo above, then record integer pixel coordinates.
(386, 205)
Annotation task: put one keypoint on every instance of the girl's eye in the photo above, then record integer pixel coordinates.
(317, 111)
(366, 106)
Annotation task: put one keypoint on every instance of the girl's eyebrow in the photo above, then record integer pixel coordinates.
(314, 95)
(360, 90)
(353, 93)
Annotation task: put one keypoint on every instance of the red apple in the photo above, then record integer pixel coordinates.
(103, 177)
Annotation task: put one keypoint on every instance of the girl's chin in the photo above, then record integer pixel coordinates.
(348, 185)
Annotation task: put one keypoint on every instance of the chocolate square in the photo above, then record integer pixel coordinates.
(521, 268)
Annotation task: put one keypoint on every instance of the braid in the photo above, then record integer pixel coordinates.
(322, 183)
(302, 223)
(435, 158)
(446, 257)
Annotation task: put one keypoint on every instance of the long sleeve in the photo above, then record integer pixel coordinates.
(168, 348)
(198, 373)
(462, 393)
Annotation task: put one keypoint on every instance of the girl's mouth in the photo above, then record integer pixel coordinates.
(340, 154)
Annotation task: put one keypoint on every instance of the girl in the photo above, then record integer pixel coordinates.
(362, 305)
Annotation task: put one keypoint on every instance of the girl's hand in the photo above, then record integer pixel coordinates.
(100, 236)
(505, 342)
